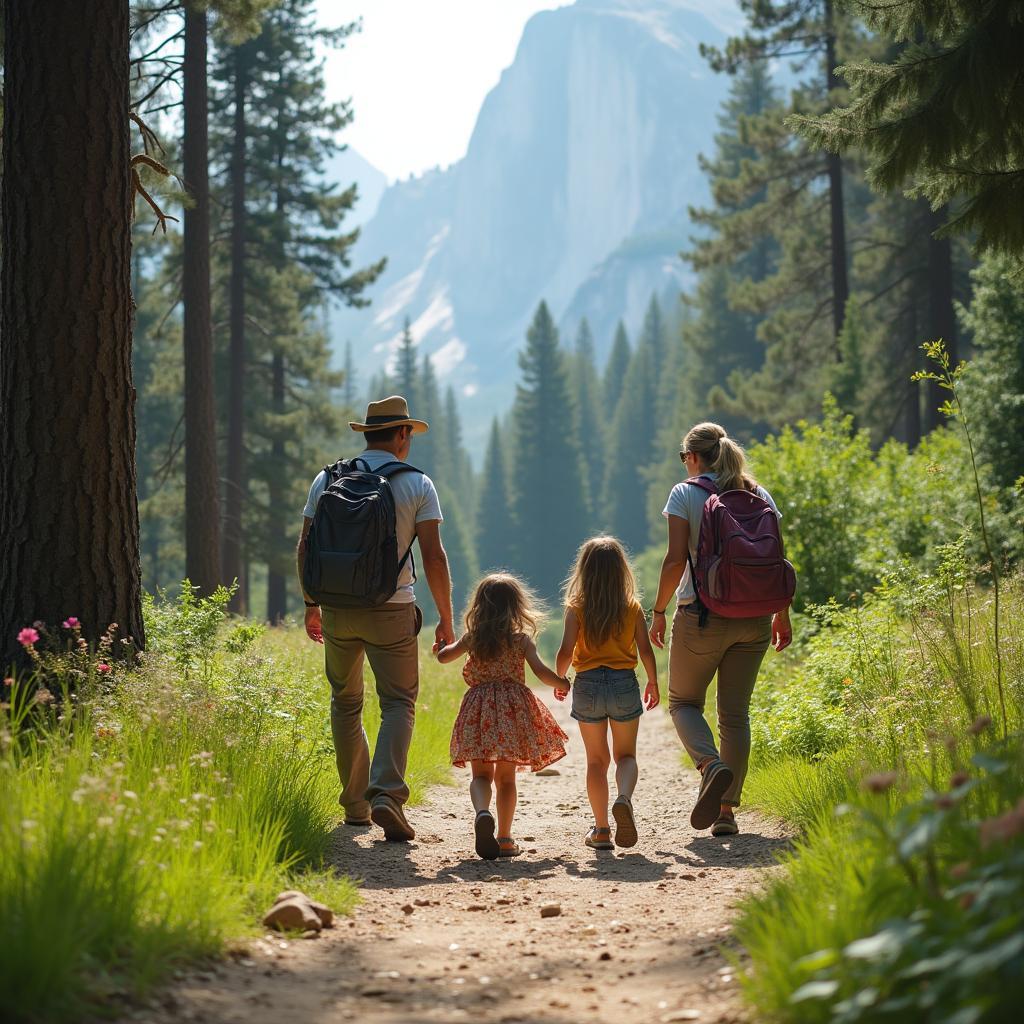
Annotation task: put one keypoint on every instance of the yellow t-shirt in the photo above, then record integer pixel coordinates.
(617, 651)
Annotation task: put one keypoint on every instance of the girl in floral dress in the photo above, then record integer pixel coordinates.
(502, 726)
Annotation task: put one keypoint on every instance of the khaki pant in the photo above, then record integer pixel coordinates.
(387, 637)
(734, 648)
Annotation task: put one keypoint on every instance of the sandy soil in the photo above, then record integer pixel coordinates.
(443, 936)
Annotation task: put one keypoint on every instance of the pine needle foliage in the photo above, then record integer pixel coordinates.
(943, 118)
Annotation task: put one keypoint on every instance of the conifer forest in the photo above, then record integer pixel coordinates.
(813, 235)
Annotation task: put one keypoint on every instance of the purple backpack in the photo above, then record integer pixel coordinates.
(741, 570)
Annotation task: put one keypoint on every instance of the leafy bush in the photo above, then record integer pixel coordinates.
(907, 912)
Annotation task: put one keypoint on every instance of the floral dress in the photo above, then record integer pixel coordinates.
(501, 719)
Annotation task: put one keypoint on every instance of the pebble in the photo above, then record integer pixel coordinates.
(551, 910)
(680, 1015)
(409, 908)
(545, 773)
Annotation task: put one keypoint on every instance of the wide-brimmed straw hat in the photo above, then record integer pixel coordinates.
(389, 412)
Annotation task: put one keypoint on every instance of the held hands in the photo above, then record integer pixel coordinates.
(314, 625)
(561, 688)
(652, 695)
(782, 631)
(444, 635)
(657, 630)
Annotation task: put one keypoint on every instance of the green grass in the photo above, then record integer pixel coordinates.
(154, 823)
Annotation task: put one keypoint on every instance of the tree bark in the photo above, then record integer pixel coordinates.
(202, 483)
(941, 314)
(236, 471)
(69, 525)
(277, 581)
(834, 165)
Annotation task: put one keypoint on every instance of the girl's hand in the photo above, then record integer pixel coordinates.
(652, 695)
(782, 631)
(658, 629)
(562, 689)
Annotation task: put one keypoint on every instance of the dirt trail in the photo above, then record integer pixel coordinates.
(443, 936)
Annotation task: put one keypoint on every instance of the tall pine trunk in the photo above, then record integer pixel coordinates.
(69, 525)
(202, 485)
(234, 568)
(837, 216)
(277, 581)
(941, 314)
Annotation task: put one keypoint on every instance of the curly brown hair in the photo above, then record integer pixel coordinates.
(502, 605)
(601, 589)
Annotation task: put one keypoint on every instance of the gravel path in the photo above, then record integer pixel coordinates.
(443, 936)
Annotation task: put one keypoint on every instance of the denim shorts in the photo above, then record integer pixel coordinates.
(603, 693)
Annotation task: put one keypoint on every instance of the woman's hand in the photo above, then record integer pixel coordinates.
(562, 689)
(652, 695)
(782, 631)
(658, 629)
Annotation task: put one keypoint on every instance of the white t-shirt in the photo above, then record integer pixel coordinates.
(687, 501)
(416, 501)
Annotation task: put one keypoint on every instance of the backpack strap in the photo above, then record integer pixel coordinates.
(388, 470)
(705, 483)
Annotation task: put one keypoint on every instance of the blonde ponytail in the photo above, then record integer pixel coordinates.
(721, 455)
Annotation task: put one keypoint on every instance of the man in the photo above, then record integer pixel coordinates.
(386, 634)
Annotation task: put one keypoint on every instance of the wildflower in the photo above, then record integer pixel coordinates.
(879, 782)
(961, 870)
(71, 623)
(28, 636)
(8, 682)
(103, 668)
(44, 696)
(197, 845)
(28, 823)
(979, 725)
(105, 822)
(129, 794)
(1004, 827)
(847, 681)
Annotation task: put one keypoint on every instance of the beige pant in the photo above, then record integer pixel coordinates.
(387, 637)
(734, 648)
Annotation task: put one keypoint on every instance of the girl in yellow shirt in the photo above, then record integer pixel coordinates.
(605, 634)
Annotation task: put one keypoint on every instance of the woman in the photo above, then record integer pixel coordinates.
(703, 642)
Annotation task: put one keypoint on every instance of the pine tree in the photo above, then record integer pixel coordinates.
(813, 27)
(288, 254)
(548, 496)
(945, 113)
(589, 418)
(69, 528)
(495, 526)
(350, 380)
(405, 366)
(615, 369)
(427, 406)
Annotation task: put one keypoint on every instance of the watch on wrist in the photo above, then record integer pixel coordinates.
(654, 611)
(311, 604)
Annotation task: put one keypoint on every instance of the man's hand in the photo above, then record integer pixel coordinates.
(652, 696)
(782, 631)
(443, 636)
(314, 625)
(658, 629)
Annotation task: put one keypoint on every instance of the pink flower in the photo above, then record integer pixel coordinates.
(103, 668)
(28, 636)
(71, 623)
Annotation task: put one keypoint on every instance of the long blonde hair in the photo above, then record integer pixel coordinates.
(601, 589)
(501, 606)
(721, 455)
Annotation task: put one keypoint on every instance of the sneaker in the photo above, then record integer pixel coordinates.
(625, 823)
(388, 814)
(715, 780)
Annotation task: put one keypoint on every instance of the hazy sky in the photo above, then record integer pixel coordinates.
(420, 69)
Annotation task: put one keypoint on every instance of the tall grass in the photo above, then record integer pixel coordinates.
(153, 821)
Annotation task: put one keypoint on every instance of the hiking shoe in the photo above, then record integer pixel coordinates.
(716, 778)
(725, 826)
(388, 814)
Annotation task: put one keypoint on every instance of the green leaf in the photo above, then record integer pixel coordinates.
(965, 1015)
(990, 764)
(814, 990)
(921, 836)
(990, 959)
(932, 964)
(884, 945)
(818, 961)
